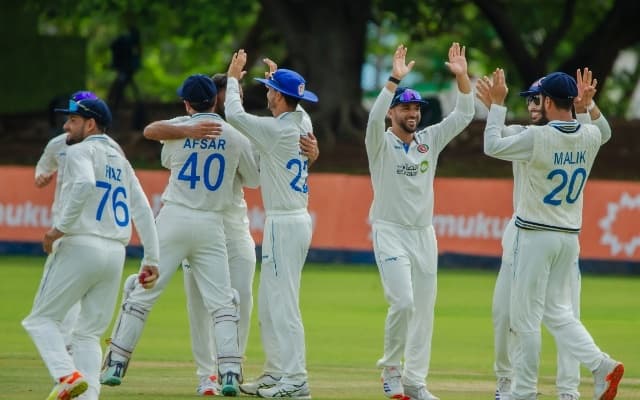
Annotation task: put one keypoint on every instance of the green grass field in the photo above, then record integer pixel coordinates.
(343, 311)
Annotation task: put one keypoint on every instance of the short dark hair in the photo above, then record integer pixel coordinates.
(562, 104)
(220, 80)
(202, 106)
(290, 100)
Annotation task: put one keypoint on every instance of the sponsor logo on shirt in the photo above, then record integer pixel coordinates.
(407, 169)
(423, 148)
(424, 166)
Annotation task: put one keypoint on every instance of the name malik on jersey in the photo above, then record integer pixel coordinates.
(569, 157)
(217, 144)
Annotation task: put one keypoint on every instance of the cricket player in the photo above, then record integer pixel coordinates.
(50, 164)
(402, 162)
(568, 373)
(242, 263)
(287, 232)
(556, 160)
(190, 226)
(100, 196)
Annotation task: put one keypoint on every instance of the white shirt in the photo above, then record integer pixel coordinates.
(52, 160)
(557, 159)
(402, 175)
(203, 171)
(101, 195)
(283, 167)
(519, 166)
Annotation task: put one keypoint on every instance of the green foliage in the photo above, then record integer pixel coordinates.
(177, 38)
(343, 310)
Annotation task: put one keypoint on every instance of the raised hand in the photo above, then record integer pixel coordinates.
(499, 89)
(238, 61)
(400, 68)
(273, 67)
(457, 61)
(483, 86)
(586, 89)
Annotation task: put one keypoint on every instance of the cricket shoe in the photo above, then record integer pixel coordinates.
(606, 379)
(208, 386)
(392, 383)
(113, 372)
(286, 390)
(229, 383)
(418, 393)
(503, 388)
(69, 387)
(264, 381)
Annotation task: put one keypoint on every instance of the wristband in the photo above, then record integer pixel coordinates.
(394, 79)
(591, 106)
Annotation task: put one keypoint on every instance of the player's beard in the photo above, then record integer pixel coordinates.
(405, 126)
(543, 120)
(73, 138)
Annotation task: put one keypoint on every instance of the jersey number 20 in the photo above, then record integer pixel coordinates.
(120, 208)
(572, 192)
(189, 171)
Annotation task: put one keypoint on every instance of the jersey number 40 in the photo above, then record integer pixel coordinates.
(189, 171)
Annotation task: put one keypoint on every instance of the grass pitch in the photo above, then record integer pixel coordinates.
(343, 311)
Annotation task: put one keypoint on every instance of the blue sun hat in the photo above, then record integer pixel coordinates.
(290, 83)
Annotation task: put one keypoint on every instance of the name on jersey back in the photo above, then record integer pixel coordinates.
(216, 144)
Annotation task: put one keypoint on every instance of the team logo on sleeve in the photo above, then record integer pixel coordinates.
(423, 148)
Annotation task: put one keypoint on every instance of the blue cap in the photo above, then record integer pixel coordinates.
(198, 88)
(559, 85)
(404, 95)
(534, 89)
(89, 108)
(290, 83)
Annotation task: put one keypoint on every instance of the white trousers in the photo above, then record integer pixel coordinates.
(241, 251)
(407, 262)
(544, 265)
(568, 370)
(84, 269)
(285, 245)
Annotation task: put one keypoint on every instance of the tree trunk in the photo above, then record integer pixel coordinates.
(325, 41)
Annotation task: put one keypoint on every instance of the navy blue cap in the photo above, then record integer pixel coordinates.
(534, 89)
(198, 88)
(89, 108)
(405, 95)
(559, 85)
(290, 83)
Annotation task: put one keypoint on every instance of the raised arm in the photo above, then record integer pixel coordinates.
(172, 130)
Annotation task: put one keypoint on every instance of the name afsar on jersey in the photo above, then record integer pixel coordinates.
(569, 157)
(217, 144)
(112, 173)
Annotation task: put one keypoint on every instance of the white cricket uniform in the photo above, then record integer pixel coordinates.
(287, 231)
(99, 199)
(241, 251)
(404, 240)
(556, 161)
(190, 226)
(568, 371)
(52, 161)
